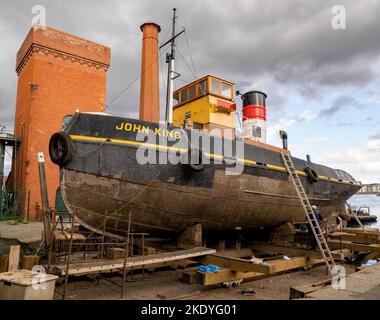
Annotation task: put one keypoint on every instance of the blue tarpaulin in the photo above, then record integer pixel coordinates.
(208, 268)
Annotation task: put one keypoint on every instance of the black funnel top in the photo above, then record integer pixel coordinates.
(254, 98)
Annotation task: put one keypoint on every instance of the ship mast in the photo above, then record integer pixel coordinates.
(171, 74)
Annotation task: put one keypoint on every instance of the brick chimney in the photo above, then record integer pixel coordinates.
(149, 87)
(57, 74)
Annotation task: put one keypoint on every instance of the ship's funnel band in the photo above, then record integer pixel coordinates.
(254, 112)
(254, 115)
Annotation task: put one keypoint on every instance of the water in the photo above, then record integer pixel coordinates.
(368, 200)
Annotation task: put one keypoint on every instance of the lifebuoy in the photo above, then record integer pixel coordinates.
(194, 160)
(60, 148)
(312, 176)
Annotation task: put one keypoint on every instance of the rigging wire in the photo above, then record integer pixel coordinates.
(136, 78)
(241, 125)
(187, 65)
(191, 56)
(163, 75)
(132, 82)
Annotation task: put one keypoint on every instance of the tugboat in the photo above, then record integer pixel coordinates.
(222, 181)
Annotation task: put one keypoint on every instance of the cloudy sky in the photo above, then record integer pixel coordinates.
(322, 83)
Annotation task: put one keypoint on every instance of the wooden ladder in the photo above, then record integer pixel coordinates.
(355, 216)
(313, 222)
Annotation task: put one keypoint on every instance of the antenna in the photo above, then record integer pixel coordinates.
(171, 74)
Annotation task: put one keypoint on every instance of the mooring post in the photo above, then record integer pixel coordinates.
(126, 255)
(2, 157)
(69, 256)
(44, 199)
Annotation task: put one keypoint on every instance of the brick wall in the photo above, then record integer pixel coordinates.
(58, 73)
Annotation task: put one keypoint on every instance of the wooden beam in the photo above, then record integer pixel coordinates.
(366, 231)
(4, 263)
(235, 264)
(301, 292)
(226, 275)
(337, 244)
(14, 258)
(355, 237)
(269, 248)
(106, 265)
(241, 253)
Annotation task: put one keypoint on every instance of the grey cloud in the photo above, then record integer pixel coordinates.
(375, 136)
(338, 104)
(244, 41)
(368, 121)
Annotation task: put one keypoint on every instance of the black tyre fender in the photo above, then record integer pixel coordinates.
(60, 148)
(312, 176)
(190, 156)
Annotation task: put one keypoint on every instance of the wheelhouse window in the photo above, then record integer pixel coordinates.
(208, 85)
(202, 88)
(215, 86)
(175, 99)
(184, 95)
(192, 92)
(226, 90)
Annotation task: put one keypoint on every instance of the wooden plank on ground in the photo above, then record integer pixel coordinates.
(235, 264)
(366, 231)
(107, 265)
(281, 265)
(290, 251)
(337, 244)
(355, 237)
(300, 292)
(4, 263)
(65, 235)
(14, 258)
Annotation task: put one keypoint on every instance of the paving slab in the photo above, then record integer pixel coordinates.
(26, 233)
(364, 284)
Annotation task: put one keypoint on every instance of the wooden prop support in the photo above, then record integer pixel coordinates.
(275, 266)
(235, 264)
(290, 251)
(336, 244)
(14, 258)
(44, 198)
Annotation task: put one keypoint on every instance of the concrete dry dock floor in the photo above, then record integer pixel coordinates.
(361, 285)
(26, 233)
(167, 284)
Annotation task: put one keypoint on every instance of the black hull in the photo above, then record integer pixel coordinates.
(104, 179)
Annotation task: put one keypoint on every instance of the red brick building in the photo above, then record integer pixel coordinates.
(58, 73)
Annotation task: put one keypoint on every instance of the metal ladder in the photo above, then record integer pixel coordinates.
(313, 222)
